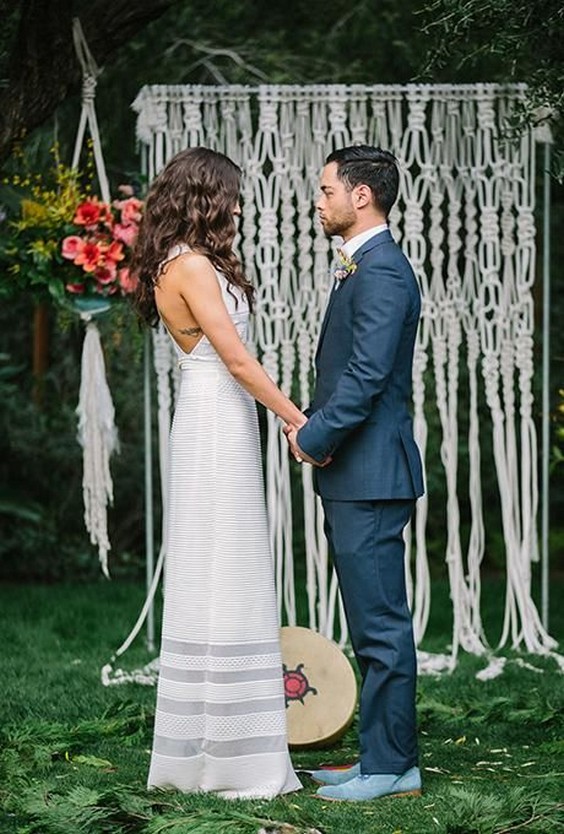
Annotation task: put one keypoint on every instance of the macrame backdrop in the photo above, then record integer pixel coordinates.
(465, 221)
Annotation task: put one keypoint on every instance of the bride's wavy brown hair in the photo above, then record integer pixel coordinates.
(191, 201)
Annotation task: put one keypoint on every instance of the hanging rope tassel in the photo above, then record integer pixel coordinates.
(97, 434)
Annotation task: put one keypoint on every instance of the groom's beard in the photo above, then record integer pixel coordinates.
(339, 224)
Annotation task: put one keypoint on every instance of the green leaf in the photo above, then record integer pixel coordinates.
(56, 290)
(23, 511)
(91, 761)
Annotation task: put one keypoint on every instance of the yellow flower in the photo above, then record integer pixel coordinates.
(43, 248)
(51, 206)
(33, 213)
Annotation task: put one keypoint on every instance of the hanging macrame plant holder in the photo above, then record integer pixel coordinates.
(97, 433)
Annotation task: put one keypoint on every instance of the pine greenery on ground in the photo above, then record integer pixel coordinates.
(74, 756)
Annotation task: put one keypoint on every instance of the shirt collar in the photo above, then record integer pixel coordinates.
(352, 245)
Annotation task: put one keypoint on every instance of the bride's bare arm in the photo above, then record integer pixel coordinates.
(193, 278)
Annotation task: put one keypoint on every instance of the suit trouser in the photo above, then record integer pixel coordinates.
(368, 551)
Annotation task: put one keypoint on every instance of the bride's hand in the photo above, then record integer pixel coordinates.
(300, 456)
(295, 425)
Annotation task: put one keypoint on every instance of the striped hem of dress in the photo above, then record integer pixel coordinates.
(188, 748)
(172, 706)
(171, 673)
(198, 649)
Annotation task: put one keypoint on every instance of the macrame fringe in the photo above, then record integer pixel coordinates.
(97, 434)
(146, 676)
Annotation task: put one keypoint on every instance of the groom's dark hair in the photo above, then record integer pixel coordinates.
(374, 167)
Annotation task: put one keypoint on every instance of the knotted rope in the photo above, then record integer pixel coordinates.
(97, 430)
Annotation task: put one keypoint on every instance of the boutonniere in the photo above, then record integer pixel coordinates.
(345, 267)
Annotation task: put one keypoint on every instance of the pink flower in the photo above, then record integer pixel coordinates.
(71, 247)
(126, 234)
(105, 289)
(127, 281)
(76, 289)
(130, 210)
(89, 257)
(105, 274)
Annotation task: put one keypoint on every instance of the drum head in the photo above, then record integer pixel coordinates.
(319, 685)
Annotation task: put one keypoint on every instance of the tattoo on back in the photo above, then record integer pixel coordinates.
(190, 331)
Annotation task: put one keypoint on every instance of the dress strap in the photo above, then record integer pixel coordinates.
(178, 249)
(174, 252)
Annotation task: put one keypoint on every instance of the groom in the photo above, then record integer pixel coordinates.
(360, 419)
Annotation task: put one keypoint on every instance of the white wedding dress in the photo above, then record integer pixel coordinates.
(220, 721)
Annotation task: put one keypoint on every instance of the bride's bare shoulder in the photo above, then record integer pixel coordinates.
(185, 265)
(187, 275)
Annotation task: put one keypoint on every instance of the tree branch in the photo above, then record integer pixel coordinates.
(43, 69)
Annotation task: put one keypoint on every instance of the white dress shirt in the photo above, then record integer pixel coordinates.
(354, 243)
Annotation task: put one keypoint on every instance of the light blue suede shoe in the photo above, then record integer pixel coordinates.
(326, 776)
(339, 776)
(363, 788)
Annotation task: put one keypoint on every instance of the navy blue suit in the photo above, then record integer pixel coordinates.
(360, 417)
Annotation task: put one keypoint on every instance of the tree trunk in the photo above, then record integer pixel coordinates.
(43, 68)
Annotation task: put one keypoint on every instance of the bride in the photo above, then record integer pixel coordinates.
(220, 720)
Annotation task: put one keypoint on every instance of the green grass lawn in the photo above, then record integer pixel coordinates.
(74, 755)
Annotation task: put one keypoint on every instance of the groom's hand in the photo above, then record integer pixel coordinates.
(291, 436)
(295, 427)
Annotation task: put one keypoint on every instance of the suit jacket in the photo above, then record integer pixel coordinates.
(360, 410)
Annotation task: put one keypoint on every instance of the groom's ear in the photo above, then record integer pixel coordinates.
(362, 196)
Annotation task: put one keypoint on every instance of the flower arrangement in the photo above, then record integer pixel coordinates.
(99, 244)
(346, 266)
(61, 240)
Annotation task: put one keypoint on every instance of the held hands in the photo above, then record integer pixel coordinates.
(300, 456)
